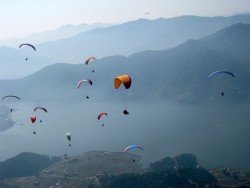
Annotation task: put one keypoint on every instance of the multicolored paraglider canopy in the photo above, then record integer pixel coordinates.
(89, 59)
(68, 136)
(84, 81)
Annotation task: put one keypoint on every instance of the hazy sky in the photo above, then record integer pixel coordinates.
(22, 17)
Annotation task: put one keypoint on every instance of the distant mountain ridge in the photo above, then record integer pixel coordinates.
(135, 36)
(123, 39)
(62, 32)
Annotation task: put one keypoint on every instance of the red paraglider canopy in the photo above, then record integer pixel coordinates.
(33, 119)
(101, 114)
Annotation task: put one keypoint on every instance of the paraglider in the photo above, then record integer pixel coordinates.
(41, 109)
(68, 136)
(126, 81)
(11, 96)
(30, 45)
(33, 120)
(132, 147)
(84, 81)
(221, 72)
(89, 60)
(99, 117)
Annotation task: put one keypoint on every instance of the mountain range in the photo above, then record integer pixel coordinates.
(70, 44)
(135, 36)
(179, 74)
(62, 32)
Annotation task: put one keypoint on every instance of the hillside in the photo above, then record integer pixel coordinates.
(110, 169)
(78, 170)
(180, 171)
(24, 164)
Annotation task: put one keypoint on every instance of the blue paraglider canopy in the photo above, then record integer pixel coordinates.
(219, 72)
(133, 147)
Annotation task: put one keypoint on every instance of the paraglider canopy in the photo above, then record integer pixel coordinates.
(27, 44)
(11, 96)
(101, 114)
(122, 79)
(33, 119)
(133, 147)
(68, 136)
(41, 108)
(83, 81)
(89, 59)
(220, 72)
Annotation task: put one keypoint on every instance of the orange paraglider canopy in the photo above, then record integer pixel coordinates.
(122, 79)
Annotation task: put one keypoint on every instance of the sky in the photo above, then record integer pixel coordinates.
(23, 17)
